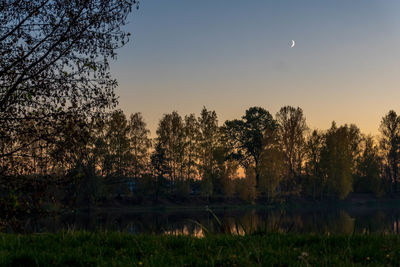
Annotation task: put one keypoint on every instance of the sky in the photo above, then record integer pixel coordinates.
(229, 55)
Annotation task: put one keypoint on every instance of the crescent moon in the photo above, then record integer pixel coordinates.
(293, 43)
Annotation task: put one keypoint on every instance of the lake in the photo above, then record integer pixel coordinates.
(197, 221)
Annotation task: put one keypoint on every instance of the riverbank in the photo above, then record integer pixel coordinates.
(121, 249)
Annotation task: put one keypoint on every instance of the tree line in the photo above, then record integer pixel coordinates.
(54, 75)
(256, 156)
(63, 144)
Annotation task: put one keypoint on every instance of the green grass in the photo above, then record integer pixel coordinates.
(120, 249)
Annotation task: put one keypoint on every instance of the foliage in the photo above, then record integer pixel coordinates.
(246, 137)
(170, 139)
(191, 133)
(272, 172)
(367, 178)
(22, 198)
(97, 159)
(314, 182)
(118, 147)
(338, 157)
(247, 186)
(291, 131)
(55, 64)
(209, 141)
(140, 143)
(55, 85)
(228, 178)
(390, 144)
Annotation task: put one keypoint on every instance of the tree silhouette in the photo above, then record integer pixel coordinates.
(191, 133)
(140, 143)
(292, 128)
(246, 137)
(54, 61)
(119, 155)
(338, 158)
(209, 137)
(390, 143)
(368, 172)
(314, 175)
(170, 140)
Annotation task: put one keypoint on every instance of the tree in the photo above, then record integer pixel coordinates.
(338, 157)
(159, 161)
(72, 144)
(228, 176)
(247, 187)
(54, 62)
(118, 159)
(191, 136)
(367, 178)
(100, 147)
(140, 143)
(209, 135)
(170, 140)
(223, 171)
(272, 171)
(245, 137)
(390, 143)
(315, 181)
(160, 167)
(291, 128)
(272, 167)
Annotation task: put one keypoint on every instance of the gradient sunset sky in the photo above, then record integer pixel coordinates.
(229, 55)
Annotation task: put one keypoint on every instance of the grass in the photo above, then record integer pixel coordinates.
(122, 249)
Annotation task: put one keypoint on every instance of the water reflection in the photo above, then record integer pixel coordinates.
(195, 231)
(197, 223)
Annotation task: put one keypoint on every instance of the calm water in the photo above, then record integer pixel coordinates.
(187, 222)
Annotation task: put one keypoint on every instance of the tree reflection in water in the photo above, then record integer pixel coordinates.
(236, 221)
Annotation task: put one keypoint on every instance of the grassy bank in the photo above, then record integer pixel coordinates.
(118, 249)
